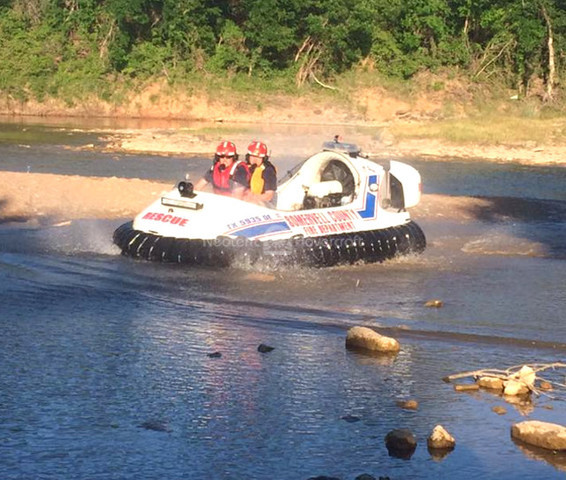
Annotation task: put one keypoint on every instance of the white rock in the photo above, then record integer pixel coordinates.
(526, 375)
(540, 434)
(440, 438)
(368, 339)
(514, 387)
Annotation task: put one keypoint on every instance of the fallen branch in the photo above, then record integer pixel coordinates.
(477, 373)
(320, 83)
(504, 374)
(525, 375)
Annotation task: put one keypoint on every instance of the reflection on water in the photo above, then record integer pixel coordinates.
(556, 459)
(107, 374)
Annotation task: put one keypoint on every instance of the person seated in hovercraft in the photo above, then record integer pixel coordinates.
(263, 181)
(228, 175)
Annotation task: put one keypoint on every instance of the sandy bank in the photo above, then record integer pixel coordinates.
(304, 140)
(48, 198)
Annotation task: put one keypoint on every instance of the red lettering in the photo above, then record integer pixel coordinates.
(291, 221)
(166, 218)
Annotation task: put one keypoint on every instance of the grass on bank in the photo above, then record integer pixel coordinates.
(494, 129)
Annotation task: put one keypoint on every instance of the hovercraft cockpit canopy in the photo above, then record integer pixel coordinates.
(324, 180)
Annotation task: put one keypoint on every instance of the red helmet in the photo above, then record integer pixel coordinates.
(257, 149)
(226, 149)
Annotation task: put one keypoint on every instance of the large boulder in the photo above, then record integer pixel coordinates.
(363, 338)
(540, 434)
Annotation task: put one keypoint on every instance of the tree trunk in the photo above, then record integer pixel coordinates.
(551, 80)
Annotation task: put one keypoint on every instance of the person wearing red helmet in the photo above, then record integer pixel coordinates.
(263, 181)
(228, 175)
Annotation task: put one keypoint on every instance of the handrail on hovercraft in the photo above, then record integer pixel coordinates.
(335, 207)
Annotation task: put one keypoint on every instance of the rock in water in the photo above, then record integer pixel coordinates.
(401, 443)
(540, 434)
(323, 477)
(351, 418)
(434, 304)
(156, 426)
(408, 404)
(364, 338)
(499, 410)
(545, 386)
(491, 383)
(514, 387)
(526, 375)
(440, 439)
(264, 348)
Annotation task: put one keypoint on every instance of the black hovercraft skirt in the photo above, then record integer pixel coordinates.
(368, 246)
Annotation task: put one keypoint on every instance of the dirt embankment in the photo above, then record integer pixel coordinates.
(160, 101)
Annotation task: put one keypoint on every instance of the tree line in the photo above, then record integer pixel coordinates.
(48, 46)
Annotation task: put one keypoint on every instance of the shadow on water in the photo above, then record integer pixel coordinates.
(6, 218)
(539, 221)
(520, 209)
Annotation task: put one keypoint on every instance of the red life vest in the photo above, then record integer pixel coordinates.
(222, 179)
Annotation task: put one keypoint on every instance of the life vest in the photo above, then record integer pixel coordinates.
(256, 182)
(222, 178)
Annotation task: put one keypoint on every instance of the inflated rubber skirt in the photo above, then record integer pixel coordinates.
(346, 248)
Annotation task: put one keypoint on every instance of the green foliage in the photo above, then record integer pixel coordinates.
(60, 47)
(270, 31)
(231, 53)
(147, 60)
(37, 47)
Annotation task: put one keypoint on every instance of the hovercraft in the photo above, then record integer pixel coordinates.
(336, 207)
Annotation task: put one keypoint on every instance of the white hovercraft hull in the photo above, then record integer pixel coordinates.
(337, 208)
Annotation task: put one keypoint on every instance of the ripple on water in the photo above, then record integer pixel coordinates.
(95, 346)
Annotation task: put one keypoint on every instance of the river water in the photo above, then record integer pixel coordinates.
(106, 372)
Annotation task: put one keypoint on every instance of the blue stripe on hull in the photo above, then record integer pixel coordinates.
(370, 202)
(258, 230)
